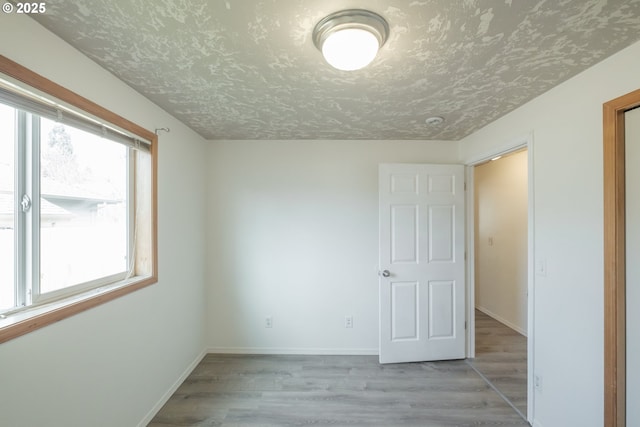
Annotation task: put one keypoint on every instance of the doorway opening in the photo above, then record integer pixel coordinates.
(498, 320)
(501, 274)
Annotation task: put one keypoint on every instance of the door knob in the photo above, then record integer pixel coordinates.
(386, 273)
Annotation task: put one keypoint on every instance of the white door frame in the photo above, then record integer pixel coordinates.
(525, 141)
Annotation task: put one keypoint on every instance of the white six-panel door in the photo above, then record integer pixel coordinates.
(422, 266)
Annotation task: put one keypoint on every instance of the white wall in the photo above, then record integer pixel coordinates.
(568, 329)
(110, 365)
(632, 153)
(293, 230)
(501, 239)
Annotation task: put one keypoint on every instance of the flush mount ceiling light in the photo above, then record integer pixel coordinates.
(350, 39)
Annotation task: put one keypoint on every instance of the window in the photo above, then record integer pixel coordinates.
(77, 203)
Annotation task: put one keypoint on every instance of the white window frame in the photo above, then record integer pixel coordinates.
(35, 310)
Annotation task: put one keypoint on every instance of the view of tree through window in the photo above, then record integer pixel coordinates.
(83, 207)
(82, 214)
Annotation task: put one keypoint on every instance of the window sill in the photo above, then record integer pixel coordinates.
(29, 319)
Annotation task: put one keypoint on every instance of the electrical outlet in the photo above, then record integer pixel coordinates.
(348, 321)
(268, 322)
(537, 381)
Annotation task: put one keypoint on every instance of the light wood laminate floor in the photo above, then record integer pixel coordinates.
(252, 390)
(501, 356)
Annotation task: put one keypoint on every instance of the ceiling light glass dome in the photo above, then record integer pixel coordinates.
(349, 40)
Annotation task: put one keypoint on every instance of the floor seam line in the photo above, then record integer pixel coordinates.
(490, 384)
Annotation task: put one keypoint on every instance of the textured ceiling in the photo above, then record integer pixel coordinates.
(243, 69)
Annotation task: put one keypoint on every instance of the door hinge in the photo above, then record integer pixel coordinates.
(465, 325)
(465, 186)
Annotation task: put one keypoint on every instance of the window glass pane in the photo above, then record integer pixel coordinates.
(83, 211)
(7, 207)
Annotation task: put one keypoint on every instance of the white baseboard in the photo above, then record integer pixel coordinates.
(165, 397)
(297, 351)
(536, 424)
(502, 320)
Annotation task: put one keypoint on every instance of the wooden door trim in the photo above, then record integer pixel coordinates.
(614, 258)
